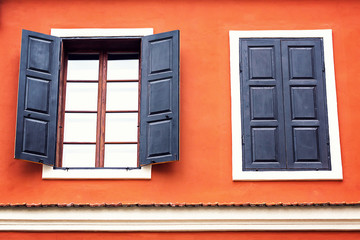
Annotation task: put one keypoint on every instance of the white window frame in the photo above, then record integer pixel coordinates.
(98, 173)
(237, 162)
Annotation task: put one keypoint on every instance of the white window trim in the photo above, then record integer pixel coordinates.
(70, 173)
(336, 167)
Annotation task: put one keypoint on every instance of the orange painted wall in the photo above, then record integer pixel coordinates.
(204, 171)
(182, 236)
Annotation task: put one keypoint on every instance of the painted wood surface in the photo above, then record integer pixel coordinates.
(37, 98)
(284, 109)
(159, 111)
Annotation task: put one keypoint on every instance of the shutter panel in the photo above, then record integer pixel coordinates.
(305, 109)
(159, 100)
(37, 98)
(261, 104)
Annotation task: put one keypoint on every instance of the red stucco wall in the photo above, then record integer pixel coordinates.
(204, 171)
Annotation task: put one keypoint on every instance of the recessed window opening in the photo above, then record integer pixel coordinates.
(99, 106)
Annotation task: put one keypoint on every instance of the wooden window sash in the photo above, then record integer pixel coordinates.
(61, 107)
(101, 107)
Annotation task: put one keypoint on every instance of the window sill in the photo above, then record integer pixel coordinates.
(334, 174)
(72, 173)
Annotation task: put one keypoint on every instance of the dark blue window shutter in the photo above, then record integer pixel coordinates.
(37, 98)
(159, 100)
(306, 122)
(261, 104)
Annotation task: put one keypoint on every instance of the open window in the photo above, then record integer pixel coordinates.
(98, 102)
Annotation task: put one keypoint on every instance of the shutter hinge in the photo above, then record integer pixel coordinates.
(242, 139)
(241, 67)
(323, 66)
(328, 140)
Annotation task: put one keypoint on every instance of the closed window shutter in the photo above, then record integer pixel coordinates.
(159, 110)
(283, 100)
(37, 98)
(261, 102)
(305, 109)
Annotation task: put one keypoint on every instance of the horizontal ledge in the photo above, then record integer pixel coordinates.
(100, 32)
(181, 219)
(184, 226)
(99, 173)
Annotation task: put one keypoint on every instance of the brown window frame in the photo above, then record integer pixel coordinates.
(102, 47)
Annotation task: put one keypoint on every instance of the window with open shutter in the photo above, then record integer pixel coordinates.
(105, 72)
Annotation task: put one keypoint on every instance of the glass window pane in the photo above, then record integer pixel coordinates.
(81, 96)
(83, 67)
(77, 155)
(120, 155)
(122, 96)
(122, 69)
(80, 127)
(121, 127)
